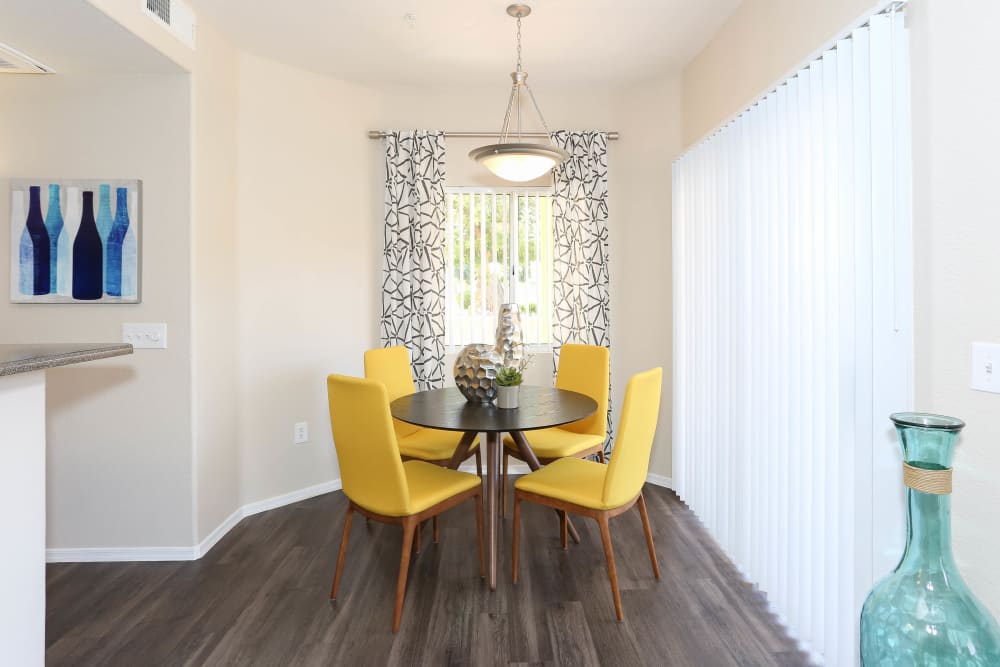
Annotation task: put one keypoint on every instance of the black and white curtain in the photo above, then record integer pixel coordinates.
(413, 269)
(581, 298)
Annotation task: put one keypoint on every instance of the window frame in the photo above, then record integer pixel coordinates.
(510, 191)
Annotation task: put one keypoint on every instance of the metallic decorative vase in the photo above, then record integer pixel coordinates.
(510, 335)
(923, 613)
(476, 372)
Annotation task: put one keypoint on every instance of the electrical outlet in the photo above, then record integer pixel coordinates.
(301, 432)
(986, 367)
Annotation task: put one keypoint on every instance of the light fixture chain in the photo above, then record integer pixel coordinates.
(518, 43)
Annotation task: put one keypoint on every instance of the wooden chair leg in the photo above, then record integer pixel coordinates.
(416, 540)
(436, 533)
(517, 529)
(478, 500)
(503, 486)
(600, 456)
(649, 536)
(343, 551)
(602, 520)
(479, 464)
(409, 528)
(564, 529)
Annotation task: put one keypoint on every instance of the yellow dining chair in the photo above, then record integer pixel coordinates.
(585, 369)
(599, 491)
(378, 484)
(391, 367)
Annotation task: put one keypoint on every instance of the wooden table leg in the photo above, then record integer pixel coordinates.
(528, 456)
(492, 522)
(462, 450)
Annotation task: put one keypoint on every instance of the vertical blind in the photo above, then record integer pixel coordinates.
(499, 250)
(793, 333)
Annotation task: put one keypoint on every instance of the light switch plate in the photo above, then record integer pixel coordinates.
(148, 335)
(986, 367)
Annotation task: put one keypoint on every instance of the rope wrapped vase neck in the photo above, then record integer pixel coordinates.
(937, 482)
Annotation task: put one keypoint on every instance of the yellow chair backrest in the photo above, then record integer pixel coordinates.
(391, 367)
(370, 467)
(586, 369)
(630, 458)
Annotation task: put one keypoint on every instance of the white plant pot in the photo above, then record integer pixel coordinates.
(507, 397)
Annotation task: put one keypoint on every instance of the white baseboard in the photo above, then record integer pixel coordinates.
(145, 554)
(137, 554)
(114, 555)
(660, 480)
(292, 497)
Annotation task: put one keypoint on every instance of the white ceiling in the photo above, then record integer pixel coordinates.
(71, 35)
(572, 42)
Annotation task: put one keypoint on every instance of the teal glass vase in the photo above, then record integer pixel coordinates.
(923, 613)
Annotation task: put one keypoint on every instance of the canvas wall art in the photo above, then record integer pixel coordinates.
(75, 241)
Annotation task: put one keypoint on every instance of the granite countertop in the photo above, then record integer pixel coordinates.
(24, 358)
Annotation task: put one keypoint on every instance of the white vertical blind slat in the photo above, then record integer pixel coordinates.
(793, 336)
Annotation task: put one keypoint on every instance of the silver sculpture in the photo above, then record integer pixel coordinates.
(476, 372)
(510, 334)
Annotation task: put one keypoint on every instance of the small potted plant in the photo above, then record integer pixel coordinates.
(510, 375)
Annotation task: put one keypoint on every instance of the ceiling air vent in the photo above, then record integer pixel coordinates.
(174, 15)
(13, 61)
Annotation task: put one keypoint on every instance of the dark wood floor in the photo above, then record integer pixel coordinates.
(260, 598)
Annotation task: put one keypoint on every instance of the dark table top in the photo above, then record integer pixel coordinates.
(446, 409)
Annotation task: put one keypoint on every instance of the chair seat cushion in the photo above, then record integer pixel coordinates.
(430, 484)
(554, 443)
(576, 481)
(428, 444)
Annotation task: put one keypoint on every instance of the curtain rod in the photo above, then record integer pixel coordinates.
(381, 134)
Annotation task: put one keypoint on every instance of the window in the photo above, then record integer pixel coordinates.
(499, 250)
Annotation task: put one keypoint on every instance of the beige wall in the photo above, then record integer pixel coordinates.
(119, 455)
(648, 117)
(955, 136)
(306, 271)
(760, 43)
(278, 241)
(310, 207)
(955, 140)
(214, 313)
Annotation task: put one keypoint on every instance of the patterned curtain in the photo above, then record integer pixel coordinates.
(581, 303)
(413, 267)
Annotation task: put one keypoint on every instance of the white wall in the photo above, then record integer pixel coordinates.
(119, 431)
(956, 138)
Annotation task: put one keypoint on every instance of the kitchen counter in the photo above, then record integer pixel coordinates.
(22, 489)
(16, 359)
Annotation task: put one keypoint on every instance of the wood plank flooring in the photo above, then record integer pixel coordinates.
(260, 597)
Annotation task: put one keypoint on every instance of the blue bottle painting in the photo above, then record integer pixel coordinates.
(116, 237)
(88, 255)
(75, 245)
(40, 248)
(54, 227)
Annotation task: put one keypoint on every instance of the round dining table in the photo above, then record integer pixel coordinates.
(448, 410)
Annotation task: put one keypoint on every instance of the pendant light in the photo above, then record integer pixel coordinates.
(518, 160)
